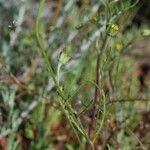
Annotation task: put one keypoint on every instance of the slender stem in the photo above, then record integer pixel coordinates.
(72, 120)
(111, 85)
(128, 100)
(97, 80)
(96, 95)
(89, 145)
(103, 118)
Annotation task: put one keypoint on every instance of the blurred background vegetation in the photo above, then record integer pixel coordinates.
(30, 114)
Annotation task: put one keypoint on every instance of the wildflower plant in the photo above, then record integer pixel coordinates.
(105, 21)
(68, 76)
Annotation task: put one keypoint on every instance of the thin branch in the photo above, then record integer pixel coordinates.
(128, 100)
(97, 76)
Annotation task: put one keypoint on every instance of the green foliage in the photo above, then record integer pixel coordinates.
(68, 76)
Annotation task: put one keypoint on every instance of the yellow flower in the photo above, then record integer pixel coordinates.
(115, 27)
(118, 46)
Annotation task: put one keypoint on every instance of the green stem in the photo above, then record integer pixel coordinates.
(72, 120)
